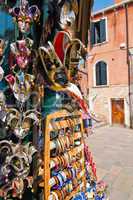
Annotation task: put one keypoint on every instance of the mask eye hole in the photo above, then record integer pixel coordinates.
(16, 11)
(33, 10)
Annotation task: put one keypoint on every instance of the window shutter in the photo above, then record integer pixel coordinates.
(98, 74)
(92, 34)
(103, 73)
(102, 30)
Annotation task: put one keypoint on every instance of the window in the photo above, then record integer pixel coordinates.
(101, 73)
(98, 32)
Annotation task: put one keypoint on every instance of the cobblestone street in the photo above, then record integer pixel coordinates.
(112, 149)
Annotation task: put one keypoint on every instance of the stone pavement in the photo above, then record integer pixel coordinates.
(112, 149)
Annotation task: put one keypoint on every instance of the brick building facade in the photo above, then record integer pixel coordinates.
(110, 41)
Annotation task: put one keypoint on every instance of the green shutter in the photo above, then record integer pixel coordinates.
(92, 34)
(103, 69)
(98, 74)
(102, 30)
(101, 73)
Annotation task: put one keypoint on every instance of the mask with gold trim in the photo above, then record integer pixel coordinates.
(53, 67)
(15, 168)
(73, 58)
(21, 85)
(21, 123)
(25, 15)
(67, 59)
(71, 51)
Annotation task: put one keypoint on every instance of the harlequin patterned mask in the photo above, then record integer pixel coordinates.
(25, 15)
(22, 51)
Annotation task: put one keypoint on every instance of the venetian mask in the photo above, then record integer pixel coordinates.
(21, 85)
(15, 168)
(59, 63)
(73, 59)
(54, 69)
(69, 10)
(25, 15)
(22, 52)
(21, 123)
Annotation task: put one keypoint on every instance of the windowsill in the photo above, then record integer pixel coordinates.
(100, 44)
(101, 86)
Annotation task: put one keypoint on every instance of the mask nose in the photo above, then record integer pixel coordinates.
(23, 27)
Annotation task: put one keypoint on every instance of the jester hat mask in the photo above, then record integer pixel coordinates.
(25, 15)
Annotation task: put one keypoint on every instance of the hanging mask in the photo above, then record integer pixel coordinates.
(25, 15)
(18, 165)
(54, 70)
(21, 85)
(71, 51)
(21, 123)
(22, 52)
(52, 58)
(69, 10)
(73, 58)
(17, 159)
(15, 168)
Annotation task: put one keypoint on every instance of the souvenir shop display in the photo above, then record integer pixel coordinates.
(17, 116)
(69, 165)
(64, 156)
(43, 114)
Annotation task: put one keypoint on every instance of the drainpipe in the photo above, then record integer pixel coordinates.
(128, 62)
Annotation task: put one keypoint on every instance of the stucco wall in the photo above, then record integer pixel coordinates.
(100, 101)
(116, 59)
(110, 51)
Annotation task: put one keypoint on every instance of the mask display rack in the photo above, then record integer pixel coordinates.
(64, 163)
